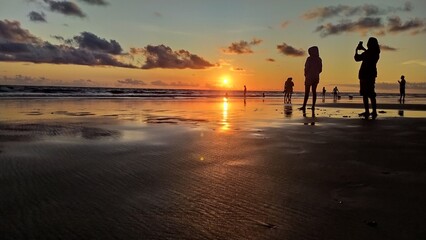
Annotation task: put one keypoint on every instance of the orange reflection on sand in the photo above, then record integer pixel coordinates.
(225, 123)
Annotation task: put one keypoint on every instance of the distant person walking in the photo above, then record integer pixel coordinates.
(313, 68)
(323, 93)
(245, 91)
(402, 89)
(335, 93)
(367, 74)
(288, 90)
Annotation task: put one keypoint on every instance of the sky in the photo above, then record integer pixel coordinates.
(206, 44)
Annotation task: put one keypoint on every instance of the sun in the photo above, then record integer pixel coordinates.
(226, 83)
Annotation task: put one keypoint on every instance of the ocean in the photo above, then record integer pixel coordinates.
(18, 91)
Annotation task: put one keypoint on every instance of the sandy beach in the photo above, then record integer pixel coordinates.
(210, 169)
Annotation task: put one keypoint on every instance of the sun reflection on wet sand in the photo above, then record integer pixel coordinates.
(225, 123)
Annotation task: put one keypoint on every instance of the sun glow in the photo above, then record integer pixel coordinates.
(226, 83)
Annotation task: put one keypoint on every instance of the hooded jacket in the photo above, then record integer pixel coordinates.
(313, 66)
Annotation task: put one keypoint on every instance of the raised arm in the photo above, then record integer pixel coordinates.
(358, 57)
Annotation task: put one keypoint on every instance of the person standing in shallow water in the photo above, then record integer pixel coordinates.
(288, 90)
(402, 89)
(367, 74)
(313, 68)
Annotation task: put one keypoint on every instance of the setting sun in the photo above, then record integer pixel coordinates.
(226, 83)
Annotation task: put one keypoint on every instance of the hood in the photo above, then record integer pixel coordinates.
(313, 51)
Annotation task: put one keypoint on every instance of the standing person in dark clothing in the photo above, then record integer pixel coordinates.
(335, 93)
(323, 93)
(313, 68)
(402, 89)
(288, 90)
(367, 74)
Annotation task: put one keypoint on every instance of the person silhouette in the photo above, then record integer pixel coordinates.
(335, 93)
(288, 90)
(313, 68)
(402, 89)
(245, 91)
(323, 93)
(367, 74)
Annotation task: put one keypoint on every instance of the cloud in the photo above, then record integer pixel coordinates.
(395, 24)
(237, 69)
(19, 45)
(56, 54)
(162, 56)
(37, 17)
(65, 7)
(370, 20)
(242, 47)
(95, 2)
(366, 10)
(12, 31)
(420, 62)
(133, 82)
(270, 60)
(285, 24)
(173, 84)
(387, 48)
(362, 25)
(158, 14)
(92, 42)
(24, 80)
(290, 51)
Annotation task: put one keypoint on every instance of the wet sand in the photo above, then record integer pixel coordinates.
(209, 169)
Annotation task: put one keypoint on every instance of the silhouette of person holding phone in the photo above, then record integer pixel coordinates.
(367, 74)
(313, 68)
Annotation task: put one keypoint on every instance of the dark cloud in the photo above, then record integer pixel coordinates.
(11, 47)
(238, 69)
(12, 31)
(19, 45)
(164, 57)
(395, 24)
(57, 54)
(270, 60)
(133, 82)
(242, 47)
(387, 48)
(65, 7)
(290, 51)
(362, 25)
(37, 17)
(366, 10)
(95, 2)
(92, 42)
(63, 40)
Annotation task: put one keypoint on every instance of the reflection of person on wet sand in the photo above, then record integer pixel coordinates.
(313, 68)
(288, 90)
(288, 110)
(402, 89)
(367, 74)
